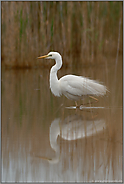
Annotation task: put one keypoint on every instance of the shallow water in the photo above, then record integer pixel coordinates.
(44, 141)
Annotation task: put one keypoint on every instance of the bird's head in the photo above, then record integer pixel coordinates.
(51, 55)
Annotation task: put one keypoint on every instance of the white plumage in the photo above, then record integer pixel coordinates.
(72, 86)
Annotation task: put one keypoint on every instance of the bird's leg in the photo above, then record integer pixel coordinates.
(86, 103)
(91, 102)
(77, 106)
(94, 98)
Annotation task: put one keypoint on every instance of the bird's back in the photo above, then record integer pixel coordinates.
(75, 87)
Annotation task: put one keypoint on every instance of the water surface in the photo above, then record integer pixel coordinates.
(44, 141)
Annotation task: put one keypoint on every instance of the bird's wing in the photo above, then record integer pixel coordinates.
(77, 85)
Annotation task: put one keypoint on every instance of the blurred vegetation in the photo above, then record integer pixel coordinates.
(83, 29)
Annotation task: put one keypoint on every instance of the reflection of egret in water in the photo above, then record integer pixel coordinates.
(72, 128)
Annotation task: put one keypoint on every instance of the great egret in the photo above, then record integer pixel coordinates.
(72, 86)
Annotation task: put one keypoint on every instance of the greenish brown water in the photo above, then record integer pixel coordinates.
(44, 141)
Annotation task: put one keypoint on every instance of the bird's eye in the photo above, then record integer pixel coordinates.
(50, 55)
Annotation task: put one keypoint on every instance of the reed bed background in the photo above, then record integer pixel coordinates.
(84, 29)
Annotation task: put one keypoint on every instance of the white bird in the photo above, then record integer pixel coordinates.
(72, 86)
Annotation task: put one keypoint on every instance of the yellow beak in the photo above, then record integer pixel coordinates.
(42, 56)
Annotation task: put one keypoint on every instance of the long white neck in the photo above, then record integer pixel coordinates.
(54, 82)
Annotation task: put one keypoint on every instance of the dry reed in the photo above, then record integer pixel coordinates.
(30, 29)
